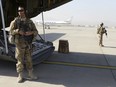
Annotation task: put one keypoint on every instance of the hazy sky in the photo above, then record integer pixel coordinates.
(87, 12)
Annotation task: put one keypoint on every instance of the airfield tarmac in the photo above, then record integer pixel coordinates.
(86, 65)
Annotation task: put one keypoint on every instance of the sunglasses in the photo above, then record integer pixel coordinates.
(20, 10)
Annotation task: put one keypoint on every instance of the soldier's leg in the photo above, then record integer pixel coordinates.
(29, 64)
(102, 40)
(28, 59)
(19, 66)
(99, 39)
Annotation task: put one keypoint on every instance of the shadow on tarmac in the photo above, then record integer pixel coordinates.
(69, 75)
(109, 47)
(9, 68)
(52, 36)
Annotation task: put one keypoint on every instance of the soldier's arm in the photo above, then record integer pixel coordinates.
(13, 31)
(35, 31)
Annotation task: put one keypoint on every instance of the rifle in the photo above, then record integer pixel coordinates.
(106, 33)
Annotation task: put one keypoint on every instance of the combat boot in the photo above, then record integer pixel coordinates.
(101, 45)
(31, 75)
(20, 77)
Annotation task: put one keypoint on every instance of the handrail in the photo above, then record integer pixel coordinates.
(3, 24)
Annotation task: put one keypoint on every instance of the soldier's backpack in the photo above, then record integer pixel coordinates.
(11, 39)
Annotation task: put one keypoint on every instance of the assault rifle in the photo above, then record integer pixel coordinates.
(105, 31)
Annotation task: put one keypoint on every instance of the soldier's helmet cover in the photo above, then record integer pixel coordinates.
(101, 24)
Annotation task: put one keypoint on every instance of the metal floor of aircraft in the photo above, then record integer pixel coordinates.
(86, 65)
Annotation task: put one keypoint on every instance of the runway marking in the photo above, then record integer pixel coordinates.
(81, 65)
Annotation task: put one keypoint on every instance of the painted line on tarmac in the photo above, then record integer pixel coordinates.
(80, 65)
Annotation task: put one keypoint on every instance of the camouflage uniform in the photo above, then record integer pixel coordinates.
(101, 31)
(23, 48)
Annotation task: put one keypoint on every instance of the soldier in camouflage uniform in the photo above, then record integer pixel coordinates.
(23, 41)
(101, 30)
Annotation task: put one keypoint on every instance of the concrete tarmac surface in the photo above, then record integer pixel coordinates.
(86, 65)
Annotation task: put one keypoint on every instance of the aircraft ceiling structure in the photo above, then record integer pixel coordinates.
(33, 7)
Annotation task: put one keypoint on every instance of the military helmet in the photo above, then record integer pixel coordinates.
(101, 24)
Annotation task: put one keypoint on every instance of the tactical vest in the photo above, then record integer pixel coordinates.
(24, 26)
